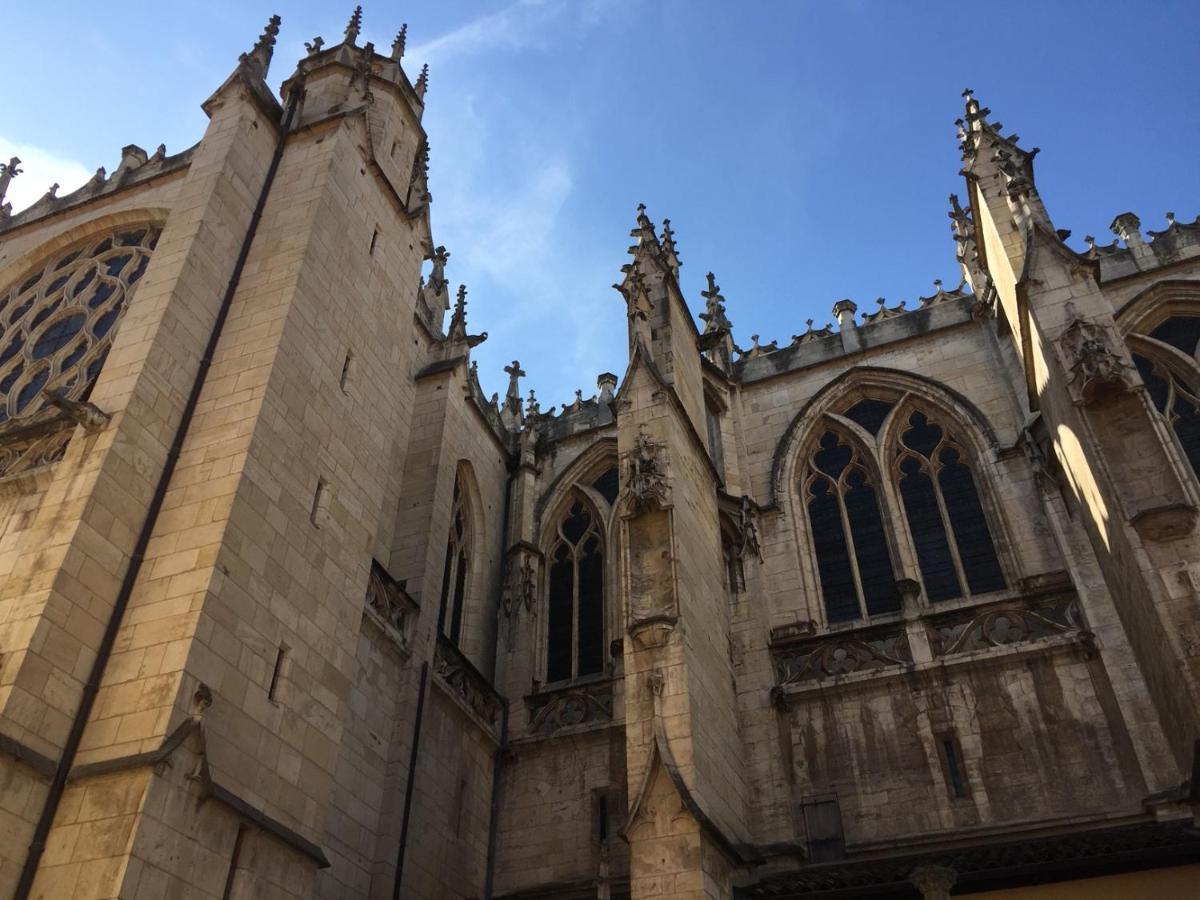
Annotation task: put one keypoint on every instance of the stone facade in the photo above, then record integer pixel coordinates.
(289, 608)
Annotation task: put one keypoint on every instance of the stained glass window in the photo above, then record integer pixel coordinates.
(57, 325)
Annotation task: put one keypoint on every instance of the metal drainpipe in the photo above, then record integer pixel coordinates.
(91, 688)
(411, 781)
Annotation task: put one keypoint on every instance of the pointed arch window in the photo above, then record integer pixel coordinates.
(456, 569)
(575, 619)
(1166, 357)
(946, 518)
(854, 564)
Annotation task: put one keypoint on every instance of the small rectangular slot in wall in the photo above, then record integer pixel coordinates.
(320, 506)
(277, 672)
(955, 775)
(347, 368)
(600, 815)
(374, 240)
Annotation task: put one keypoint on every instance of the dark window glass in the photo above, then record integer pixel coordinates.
(1172, 398)
(869, 414)
(945, 514)
(452, 610)
(928, 532)
(870, 546)
(1181, 332)
(976, 550)
(560, 632)
(840, 492)
(575, 626)
(608, 484)
(591, 610)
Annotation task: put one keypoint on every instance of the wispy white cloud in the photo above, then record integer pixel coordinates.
(515, 26)
(41, 168)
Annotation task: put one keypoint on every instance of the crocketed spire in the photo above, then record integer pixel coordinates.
(354, 26)
(714, 308)
(258, 60)
(399, 42)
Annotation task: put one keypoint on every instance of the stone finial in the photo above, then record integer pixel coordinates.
(314, 46)
(512, 397)
(422, 84)
(644, 231)
(354, 26)
(607, 383)
(714, 308)
(97, 178)
(258, 60)
(8, 171)
(399, 42)
(437, 276)
(532, 407)
(1128, 228)
(845, 310)
(51, 192)
(934, 882)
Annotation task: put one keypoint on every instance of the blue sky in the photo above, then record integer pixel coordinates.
(803, 150)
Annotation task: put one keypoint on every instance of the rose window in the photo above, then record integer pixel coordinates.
(56, 326)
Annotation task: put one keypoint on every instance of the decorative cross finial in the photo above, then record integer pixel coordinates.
(259, 58)
(399, 42)
(314, 46)
(8, 171)
(422, 84)
(354, 26)
(512, 398)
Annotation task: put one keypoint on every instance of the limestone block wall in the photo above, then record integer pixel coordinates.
(877, 747)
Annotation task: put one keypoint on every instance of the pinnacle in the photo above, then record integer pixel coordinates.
(354, 26)
(422, 84)
(259, 57)
(399, 42)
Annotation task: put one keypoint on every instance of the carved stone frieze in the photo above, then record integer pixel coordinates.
(967, 630)
(389, 604)
(1096, 368)
(465, 682)
(555, 710)
(28, 446)
(833, 657)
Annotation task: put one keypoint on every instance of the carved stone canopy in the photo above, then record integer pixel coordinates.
(646, 483)
(1096, 368)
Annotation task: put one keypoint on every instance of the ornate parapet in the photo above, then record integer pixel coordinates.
(467, 685)
(390, 607)
(560, 709)
(1004, 624)
(834, 656)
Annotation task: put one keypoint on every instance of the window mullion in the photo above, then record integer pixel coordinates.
(575, 612)
(853, 554)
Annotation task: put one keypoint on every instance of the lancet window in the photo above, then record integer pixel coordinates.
(853, 560)
(575, 609)
(949, 528)
(927, 476)
(57, 325)
(1166, 357)
(456, 570)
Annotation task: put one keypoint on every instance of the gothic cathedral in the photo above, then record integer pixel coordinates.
(908, 606)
